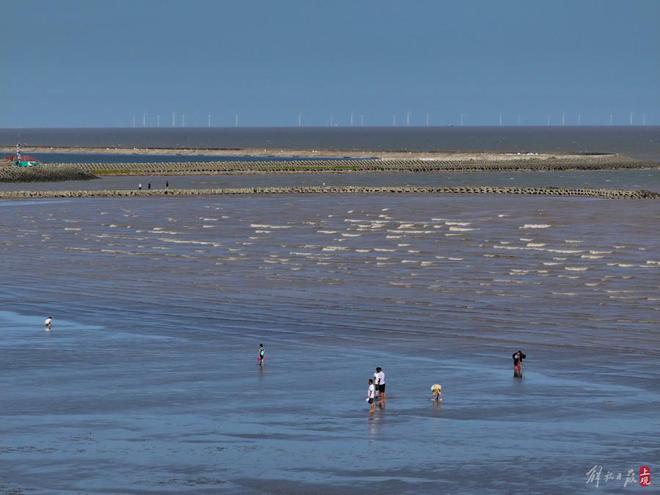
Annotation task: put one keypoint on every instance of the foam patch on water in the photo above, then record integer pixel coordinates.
(266, 226)
(535, 226)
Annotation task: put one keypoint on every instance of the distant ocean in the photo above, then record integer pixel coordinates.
(642, 141)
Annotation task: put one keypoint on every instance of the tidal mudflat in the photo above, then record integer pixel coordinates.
(148, 381)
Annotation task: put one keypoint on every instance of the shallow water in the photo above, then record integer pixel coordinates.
(148, 382)
(613, 179)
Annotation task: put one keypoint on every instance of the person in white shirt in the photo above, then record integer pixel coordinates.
(379, 380)
(48, 323)
(371, 395)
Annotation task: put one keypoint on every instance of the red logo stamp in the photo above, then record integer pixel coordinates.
(644, 475)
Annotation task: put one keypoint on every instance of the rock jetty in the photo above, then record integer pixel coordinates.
(537, 191)
(356, 165)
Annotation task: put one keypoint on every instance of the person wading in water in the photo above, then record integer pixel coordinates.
(518, 358)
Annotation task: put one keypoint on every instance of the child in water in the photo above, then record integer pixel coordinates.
(262, 355)
(371, 395)
(436, 392)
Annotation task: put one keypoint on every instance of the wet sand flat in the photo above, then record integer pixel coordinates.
(148, 382)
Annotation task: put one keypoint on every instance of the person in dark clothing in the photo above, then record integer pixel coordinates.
(518, 358)
(149, 185)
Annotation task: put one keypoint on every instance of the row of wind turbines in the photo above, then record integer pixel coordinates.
(179, 120)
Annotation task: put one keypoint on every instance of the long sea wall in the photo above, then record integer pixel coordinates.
(607, 162)
(537, 191)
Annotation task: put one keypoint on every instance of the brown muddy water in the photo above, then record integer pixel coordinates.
(148, 381)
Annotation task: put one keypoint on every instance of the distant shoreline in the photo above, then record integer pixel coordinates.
(454, 156)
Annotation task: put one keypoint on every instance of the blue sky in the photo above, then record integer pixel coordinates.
(97, 63)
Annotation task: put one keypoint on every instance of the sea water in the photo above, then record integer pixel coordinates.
(148, 381)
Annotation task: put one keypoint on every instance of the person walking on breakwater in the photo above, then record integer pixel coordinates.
(167, 184)
(48, 323)
(518, 358)
(140, 186)
(371, 396)
(149, 185)
(262, 355)
(379, 381)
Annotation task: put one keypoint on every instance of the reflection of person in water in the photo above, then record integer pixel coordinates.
(518, 358)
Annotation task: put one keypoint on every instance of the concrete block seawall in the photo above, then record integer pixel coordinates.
(538, 191)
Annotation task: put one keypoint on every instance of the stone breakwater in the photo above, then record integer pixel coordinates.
(538, 191)
(350, 165)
